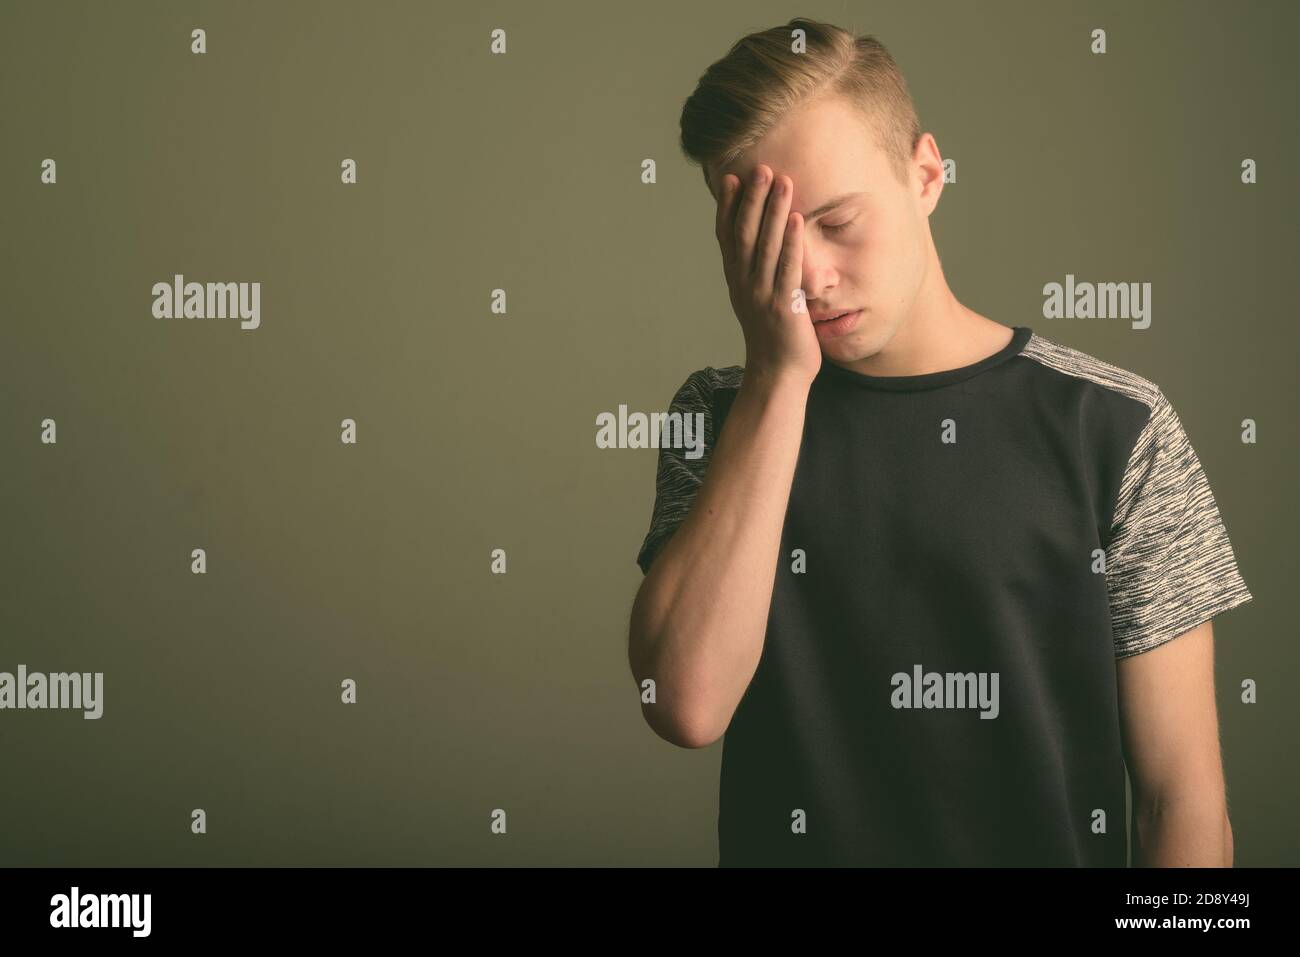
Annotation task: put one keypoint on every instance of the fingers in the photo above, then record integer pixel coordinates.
(789, 270)
(762, 243)
(772, 238)
(750, 216)
(725, 221)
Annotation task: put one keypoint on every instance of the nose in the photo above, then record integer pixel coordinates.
(819, 272)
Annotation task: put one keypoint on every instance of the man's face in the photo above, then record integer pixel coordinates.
(869, 252)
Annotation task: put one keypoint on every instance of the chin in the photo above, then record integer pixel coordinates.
(869, 338)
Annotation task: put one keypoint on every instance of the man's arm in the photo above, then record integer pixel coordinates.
(1170, 729)
(700, 616)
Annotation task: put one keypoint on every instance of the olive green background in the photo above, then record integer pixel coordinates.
(476, 431)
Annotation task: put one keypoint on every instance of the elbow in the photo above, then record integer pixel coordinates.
(677, 722)
(694, 733)
(679, 729)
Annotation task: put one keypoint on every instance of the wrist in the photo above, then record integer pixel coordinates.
(776, 380)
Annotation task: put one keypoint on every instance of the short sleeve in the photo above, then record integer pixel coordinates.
(680, 471)
(1169, 563)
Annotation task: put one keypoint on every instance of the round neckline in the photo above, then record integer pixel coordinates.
(928, 380)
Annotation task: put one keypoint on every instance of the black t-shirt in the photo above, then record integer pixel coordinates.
(964, 556)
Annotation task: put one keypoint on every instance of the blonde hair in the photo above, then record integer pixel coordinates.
(746, 93)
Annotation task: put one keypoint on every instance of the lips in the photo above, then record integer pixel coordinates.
(827, 316)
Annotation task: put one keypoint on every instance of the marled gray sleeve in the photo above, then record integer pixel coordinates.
(1170, 565)
(678, 477)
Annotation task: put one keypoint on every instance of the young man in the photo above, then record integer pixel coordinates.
(936, 579)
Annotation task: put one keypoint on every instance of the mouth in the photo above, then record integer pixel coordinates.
(833, 327)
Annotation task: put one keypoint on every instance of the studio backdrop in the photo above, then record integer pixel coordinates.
(311, 312)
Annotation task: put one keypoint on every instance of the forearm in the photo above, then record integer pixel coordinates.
(1187, 832)
(701, 614)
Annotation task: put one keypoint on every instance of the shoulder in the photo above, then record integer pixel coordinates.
(700, 387)
(1111, 407)
(1083, 372)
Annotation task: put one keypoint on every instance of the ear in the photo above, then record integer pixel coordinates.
(929, 165)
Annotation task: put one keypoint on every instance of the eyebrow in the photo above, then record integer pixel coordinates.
(828, 206)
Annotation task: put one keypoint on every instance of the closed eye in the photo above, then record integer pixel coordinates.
(837, 227)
